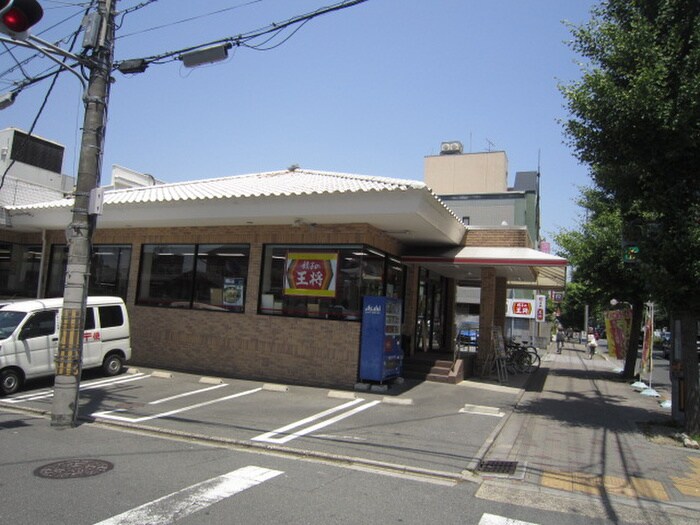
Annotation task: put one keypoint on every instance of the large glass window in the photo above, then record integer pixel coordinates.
(325, 281)
(206, 276)
(109, 270)
(19, 269)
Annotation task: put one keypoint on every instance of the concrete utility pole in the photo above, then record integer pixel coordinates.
(79, 232)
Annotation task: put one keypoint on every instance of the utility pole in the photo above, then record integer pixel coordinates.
(64, 410)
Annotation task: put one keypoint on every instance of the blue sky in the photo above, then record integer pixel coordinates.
(371, 89)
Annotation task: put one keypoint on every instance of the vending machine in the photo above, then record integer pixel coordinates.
(381, 355)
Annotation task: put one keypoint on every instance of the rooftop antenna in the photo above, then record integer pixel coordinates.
(491, 144)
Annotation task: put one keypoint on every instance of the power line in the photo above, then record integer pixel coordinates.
(177, 22)
(244, 38)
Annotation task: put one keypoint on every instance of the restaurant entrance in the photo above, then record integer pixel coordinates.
(432, 327)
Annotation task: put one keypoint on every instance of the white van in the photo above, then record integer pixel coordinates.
(29, 338)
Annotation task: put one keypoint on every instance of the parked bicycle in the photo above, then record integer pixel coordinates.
(521, 358)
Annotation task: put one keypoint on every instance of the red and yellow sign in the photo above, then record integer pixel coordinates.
(311, 274)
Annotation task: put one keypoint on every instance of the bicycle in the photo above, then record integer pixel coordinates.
(524, 358)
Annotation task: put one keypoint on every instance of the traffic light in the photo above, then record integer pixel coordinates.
(17, 16)
(630, 252)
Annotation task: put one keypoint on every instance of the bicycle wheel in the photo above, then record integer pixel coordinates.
(534, 362)
(522, 361)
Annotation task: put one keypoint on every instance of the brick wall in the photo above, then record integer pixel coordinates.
(247, 345)
(497, 237)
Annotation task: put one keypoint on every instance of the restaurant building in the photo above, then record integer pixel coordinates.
(262, 276)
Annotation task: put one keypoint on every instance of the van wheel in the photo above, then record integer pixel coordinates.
(112, 365)
(10, 381)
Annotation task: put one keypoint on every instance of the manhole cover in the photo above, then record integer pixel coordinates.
(498, 467)
(74, 468)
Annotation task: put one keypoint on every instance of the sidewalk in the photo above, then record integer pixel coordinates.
(577, 432)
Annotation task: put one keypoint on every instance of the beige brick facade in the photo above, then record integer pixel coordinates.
(266, 347)
(246, 345)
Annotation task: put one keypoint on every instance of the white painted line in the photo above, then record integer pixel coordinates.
(310, 419)
(43, 394)
(492, 519)
(113, 381)
(109, 414)
(481, 410)
(175, 506)
(268, 437)
(178, 396)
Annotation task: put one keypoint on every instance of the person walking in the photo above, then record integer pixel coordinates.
(591, 343)
(560, 339)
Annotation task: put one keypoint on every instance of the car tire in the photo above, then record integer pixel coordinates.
(10, 381)
(113, 365)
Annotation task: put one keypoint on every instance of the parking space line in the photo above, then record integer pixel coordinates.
(269, 436)
(182, 503)
(46, 393)
(178, 396)
(111, 414)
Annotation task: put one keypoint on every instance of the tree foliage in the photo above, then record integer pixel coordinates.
(635, 120)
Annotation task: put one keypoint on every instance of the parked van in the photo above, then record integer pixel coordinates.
(29, 338)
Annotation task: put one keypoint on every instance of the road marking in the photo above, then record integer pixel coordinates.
(492, 519)
(690, 484)
(269, 436)
(110, 414)
(631, 487)
(182, 503)
(178, 396)
(46, 393)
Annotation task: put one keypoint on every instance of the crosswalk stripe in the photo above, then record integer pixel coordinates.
(492, 519)
(184, 502)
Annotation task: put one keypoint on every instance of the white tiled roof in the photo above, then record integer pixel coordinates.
(274, 183)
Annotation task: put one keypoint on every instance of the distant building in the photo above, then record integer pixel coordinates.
(475, 187)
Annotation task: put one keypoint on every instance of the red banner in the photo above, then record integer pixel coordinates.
(311, 274)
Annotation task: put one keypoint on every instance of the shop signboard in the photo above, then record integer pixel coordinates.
(522, 308)
(311, 274)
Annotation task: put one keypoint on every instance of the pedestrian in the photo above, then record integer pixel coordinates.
(560, 339)
(591, 343)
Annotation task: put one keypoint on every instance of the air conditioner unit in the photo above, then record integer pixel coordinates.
(451, 148)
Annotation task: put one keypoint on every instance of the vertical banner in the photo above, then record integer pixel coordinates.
(540, 308)
(311, 274)
(618, 324)
(648, 342)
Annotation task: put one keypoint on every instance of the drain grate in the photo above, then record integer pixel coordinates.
(506, 468)
(74, 468)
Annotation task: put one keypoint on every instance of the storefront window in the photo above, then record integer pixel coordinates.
(207, 276)
(395, 278)
(109, 270)
(19, 270)
(323, 281)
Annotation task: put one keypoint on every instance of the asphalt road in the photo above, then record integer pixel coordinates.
(97, 475)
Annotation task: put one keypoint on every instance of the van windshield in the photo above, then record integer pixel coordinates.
(9, 321)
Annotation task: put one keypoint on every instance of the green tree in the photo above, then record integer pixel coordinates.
(600, 274)
(635, 120)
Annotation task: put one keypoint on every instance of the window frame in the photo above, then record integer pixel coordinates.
(355, 262)
(233, 287)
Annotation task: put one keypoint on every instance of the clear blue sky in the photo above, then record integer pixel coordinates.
(371, 89)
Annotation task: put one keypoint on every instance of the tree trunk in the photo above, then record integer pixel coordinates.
(633, 342)
(689, 366)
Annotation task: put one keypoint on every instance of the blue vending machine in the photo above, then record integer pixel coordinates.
(381, 355)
